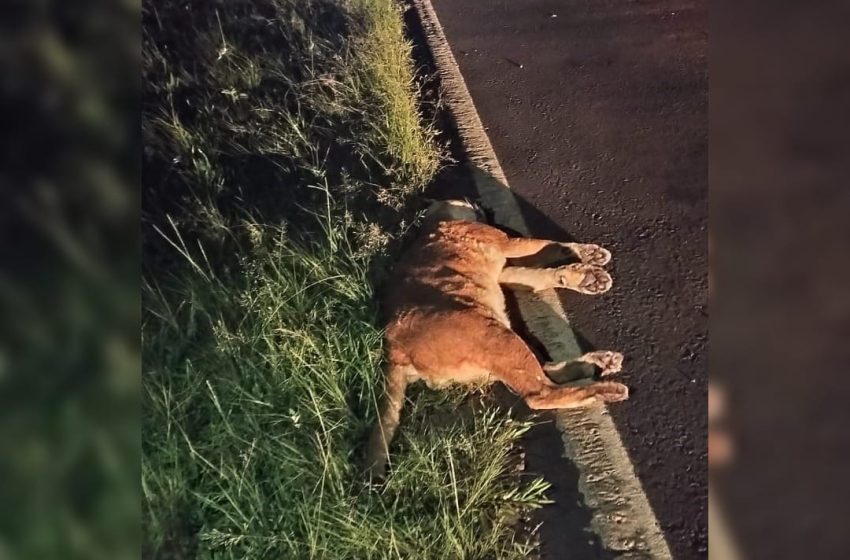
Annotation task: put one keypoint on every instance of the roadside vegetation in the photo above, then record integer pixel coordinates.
(283, 149)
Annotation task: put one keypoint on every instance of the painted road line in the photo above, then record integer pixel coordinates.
(622, 516)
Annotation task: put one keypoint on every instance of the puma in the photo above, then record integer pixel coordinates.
(447, 321)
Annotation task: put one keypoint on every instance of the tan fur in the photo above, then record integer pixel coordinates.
(447, 321)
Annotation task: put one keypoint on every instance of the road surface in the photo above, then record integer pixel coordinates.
(598, 113)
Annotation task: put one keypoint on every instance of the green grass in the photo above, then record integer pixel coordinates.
(283, 150)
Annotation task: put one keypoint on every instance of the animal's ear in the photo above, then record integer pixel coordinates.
(475, 202)
(484, 214)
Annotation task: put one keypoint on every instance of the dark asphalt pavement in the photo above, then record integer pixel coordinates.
(598, 113)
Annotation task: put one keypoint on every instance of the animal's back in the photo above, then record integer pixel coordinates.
(454, 266)
(447, 285)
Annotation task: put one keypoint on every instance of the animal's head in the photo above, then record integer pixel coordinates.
(447, 210)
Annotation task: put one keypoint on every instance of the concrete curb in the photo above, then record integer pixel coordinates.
(622, 516)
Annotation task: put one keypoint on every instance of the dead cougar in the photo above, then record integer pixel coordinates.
(448, 323)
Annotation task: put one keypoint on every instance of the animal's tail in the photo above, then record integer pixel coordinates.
(379, 442)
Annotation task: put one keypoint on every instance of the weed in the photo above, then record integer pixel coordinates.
(283, 143)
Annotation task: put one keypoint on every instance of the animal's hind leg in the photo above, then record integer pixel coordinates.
(582, 278)
(512, 362)
(609, 362)
(572, 397)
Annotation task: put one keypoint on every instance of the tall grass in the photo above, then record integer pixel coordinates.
(282, 146)
(258, 392)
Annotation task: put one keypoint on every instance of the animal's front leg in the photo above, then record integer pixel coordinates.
(587, 253)
(519, 247)
(580, 277)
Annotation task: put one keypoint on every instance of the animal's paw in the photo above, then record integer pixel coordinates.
(609, 392)
(610, 362)
(589, 253)
(584, 278)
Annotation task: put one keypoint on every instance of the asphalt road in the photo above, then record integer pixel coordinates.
(598, 113)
